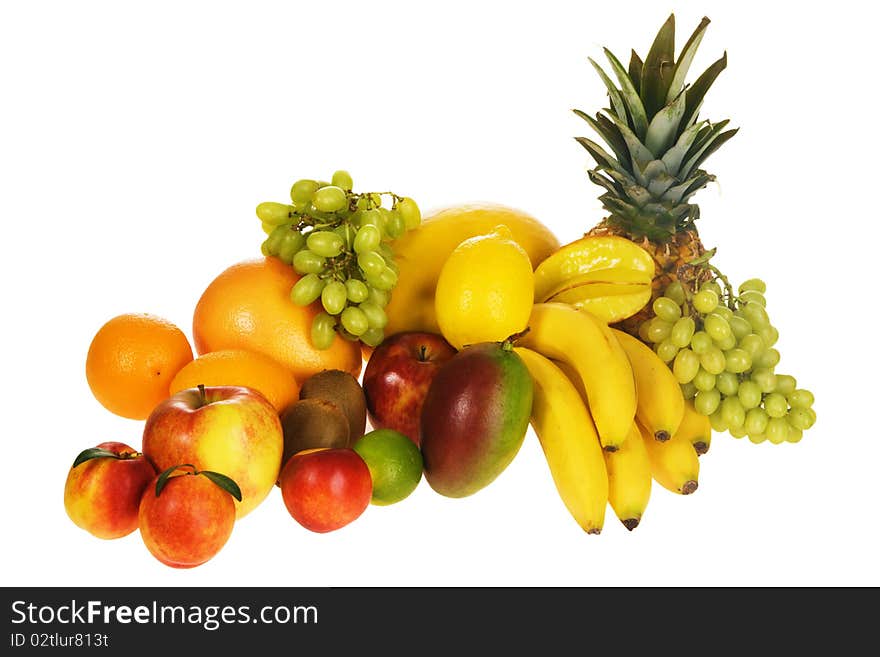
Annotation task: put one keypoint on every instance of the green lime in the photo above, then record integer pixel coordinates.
(395, 463)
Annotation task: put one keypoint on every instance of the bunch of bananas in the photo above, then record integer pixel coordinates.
(608, 412)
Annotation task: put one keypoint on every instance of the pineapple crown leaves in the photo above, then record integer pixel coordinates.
(656, 141)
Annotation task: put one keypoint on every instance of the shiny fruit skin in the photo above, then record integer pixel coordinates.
(188, 523)
(132, 359)
(248, 306)
(102, 494)
(397, 377)
(240, 367)
(326, 489)
(475, 418)
(421, 253)
(234, 431)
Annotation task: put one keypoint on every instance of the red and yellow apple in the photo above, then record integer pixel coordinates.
(229, 429)
(185, 517)
(104, 487)
(397, 377)
(326, 488)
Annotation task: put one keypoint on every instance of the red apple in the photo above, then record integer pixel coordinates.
(228, 429)
(397, 377)
(186, 516)
(326, 488)
(104, 487)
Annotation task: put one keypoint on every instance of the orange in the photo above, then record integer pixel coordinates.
(132, 359)
(248, 306)
(239, 367)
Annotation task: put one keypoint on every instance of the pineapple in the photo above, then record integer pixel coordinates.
(658, 144)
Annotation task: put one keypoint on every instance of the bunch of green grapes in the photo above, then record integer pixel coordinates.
(339, 242)
(720, 347)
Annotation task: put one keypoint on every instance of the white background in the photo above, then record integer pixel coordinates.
(137, 138)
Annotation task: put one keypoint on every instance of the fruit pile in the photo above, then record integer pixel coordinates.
(371, 347)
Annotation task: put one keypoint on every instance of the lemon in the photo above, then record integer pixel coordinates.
(485, 290)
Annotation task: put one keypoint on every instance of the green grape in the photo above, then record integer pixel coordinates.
(267, 228)
(394, 225)
(740, 327)
(726, 343)
(273, 242)
(682, 331)
(346, 335)
(379, 297)
(794, 434)
(374, 218)
(812, 414)
(767, 359)
(306, 289)
(717, 421)
(342, 179)
(756, 315)
(749, 394)
(346, 231)
(765, 379)
(410, 212)
(323, 330)
(666, 350)
(354, 320)
(752, 344)
(727, 383)
(334, 297)
(757, 438)
(658, 329)
(738, 432)
(775, 405)
(701, 342)
(371, 263)
(308, 262)
(291, 243)
(302, 191)
(274, 213)
(666, 309)
(753, 296)
(801, 398)
(704, 380)
(325, 243)
(705, 301)
(799, 418)
(753, 284)
(675, 291)
(385, 280)
(716, 326)
(356, 290)
(367, 239)
(733, 412)
(737, 360)
(785, 384)
(769, 334)
(685, 366)
(643, 331)
(265, 249)
(373, 337)
(711, 285)
(756, 420)
(688, 390)
(376, 317)
(707, 401)
(330, 199)
(724, 312)
(777, 430)
(713, 360)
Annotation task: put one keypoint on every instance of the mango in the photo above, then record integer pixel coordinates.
(475, 417)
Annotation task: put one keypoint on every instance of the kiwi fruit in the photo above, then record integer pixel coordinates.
(312, 423)
(342, 389)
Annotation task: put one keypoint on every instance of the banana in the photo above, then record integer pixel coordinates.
(569, 440)
(560, 332)
(586, 254)
(660, 406)
(629, 479)
(696, 427)
(674, 462)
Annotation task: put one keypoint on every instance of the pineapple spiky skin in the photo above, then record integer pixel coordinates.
(670, 261)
